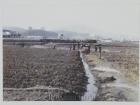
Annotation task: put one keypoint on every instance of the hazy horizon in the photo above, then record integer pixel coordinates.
(117, 19)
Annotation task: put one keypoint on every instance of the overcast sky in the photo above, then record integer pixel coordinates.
(116, 18)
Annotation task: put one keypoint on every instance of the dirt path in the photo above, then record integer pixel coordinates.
(111, 83)
(36, 88)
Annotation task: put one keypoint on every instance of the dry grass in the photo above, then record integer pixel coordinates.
(127, 61)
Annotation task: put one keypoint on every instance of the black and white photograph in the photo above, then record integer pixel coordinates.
(70, 50)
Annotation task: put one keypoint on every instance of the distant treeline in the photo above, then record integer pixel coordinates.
(50, 40)
(67, 41)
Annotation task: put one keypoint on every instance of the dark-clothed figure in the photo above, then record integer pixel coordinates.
(73, 46)
(89, 49)
(96, 48)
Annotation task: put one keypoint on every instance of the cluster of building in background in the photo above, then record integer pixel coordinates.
(31, 34)
(37, 34)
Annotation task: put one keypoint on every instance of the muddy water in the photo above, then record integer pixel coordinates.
(47, 46)
(90, 94)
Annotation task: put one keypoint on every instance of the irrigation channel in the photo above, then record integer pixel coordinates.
(91, 92)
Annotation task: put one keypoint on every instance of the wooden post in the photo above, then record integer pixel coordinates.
(78, 45)
(100, 50)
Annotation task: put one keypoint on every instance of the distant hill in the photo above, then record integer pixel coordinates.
(74, 35)
(17, 29)
(39, 32)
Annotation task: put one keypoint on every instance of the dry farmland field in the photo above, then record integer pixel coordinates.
(116, 72)
(125, 59)
(37, 74)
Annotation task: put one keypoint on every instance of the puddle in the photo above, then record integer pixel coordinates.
(121, 85)
(106, 69)
(45, 47)
(38, 46)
